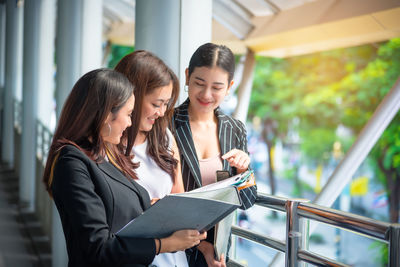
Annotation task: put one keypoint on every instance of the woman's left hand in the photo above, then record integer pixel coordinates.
(208, 252)
(238, 159)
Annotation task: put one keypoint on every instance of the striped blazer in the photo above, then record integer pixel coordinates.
(231, 134)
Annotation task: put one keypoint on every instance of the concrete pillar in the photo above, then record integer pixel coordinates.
(13, 69)
(78, 51)
(173, 29)
(46, 73)
(2, 55)
(29, 104)
(19, 47)
(46, 108)
(68, 48)
(91, 43)
(2, 47)
(79, 46)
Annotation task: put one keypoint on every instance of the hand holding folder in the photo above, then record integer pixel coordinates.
(223, 228)
(197, 209)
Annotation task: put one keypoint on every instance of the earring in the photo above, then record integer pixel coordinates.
(186, 88)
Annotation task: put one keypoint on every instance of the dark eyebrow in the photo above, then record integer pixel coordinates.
(198, 78)
(216, 83)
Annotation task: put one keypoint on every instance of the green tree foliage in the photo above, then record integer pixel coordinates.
(269, 101)
(366, 88)
(313, 94)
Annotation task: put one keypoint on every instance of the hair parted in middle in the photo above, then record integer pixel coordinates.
(147, 73)
(210, 55)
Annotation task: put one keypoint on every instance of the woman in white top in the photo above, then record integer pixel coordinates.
(153, 146)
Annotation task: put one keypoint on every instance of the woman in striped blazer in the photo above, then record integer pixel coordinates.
(209, 140)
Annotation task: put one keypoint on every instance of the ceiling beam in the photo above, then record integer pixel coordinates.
(233, 17)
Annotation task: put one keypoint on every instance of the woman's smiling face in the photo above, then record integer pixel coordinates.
(154, 106)
(207, 87)
(117, 123)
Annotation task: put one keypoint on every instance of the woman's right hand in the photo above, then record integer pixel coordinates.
(181, 240)
(238, 159)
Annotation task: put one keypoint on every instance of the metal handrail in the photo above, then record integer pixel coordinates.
(348, 221)
(297, 209)
(43, 141)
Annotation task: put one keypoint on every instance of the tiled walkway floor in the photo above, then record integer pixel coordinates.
(18, 229)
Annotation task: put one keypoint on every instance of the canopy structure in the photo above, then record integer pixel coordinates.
(279, 28)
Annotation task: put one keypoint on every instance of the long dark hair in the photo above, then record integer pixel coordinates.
(93, 97)
(210, 55)
(147, 72)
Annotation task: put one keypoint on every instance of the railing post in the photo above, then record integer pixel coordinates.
(305, 236)
(294, 234)
(394, 245)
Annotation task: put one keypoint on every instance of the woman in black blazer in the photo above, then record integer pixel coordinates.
(93, 185)
(205, 134)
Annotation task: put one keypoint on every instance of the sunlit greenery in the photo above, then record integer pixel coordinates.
(312, 95)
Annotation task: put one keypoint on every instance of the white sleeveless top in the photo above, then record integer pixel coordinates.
(158, 184)
(155, 180)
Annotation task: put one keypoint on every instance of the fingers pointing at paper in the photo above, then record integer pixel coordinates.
(238, 159)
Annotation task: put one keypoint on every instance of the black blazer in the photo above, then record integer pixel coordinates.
(94, 201)
(231, 134)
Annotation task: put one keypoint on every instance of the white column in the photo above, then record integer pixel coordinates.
(173, 29)
(46, 50)
(79, 46)
(68, 48)
(45, 108)
(19, 55)
(2, 46)
(2, 53)
(157, 29)
(29, 104)
(91, 43)
(68, 53)
(78, 51)
(13, 70)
